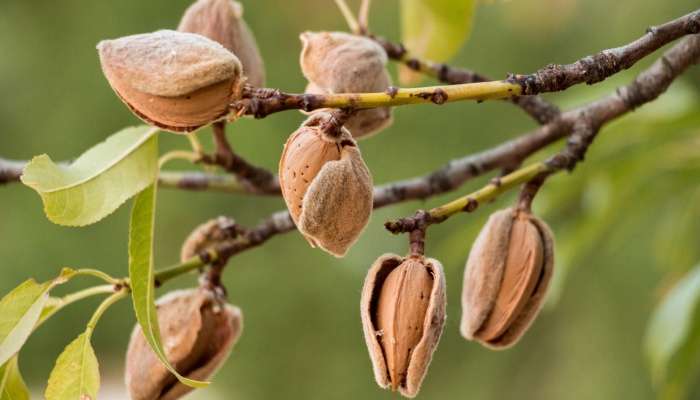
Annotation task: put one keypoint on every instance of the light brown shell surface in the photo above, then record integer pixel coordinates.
(432, 325)
(197, 333)
(327, 186)
(222, 21)
(485, 277)
(337, 62)
(173, 80)
(205, 235)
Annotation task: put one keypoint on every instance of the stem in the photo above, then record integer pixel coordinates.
(98, 274)
(108, 302)
(177, 155)
(194, 263)
(261, 103)
(74, 297)
(363, 17)
(489, 192)
(195, 143)
(353, 25)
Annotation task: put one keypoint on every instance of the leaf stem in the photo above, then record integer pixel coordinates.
(74, 297)
(108, 302)
(97, 274)
(194, 263)
(190, 156)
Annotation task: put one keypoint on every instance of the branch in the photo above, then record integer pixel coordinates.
(585, 123)
(599, 66)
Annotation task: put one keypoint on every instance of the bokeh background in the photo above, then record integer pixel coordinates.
(626, 221)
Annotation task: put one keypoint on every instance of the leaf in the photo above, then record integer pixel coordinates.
(434, 30)
(12, 386)
(141, 276)
(672, 343)
(76, 375)
(19, 311)
(99, 181)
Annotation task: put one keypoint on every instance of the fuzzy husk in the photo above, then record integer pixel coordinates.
(205, 235)
(173, 80)
(197, 333)
(337, 62)
(432, 326)
(222, 21)
(331, 199)
(167, 63)
(484, 273)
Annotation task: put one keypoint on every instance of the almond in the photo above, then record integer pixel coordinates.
(222, 21)
(403, 315)
(197, 332)
(506, 278)
(337, 62)
(326, 185)
(173, 80)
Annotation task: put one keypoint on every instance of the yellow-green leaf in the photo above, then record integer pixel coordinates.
(19, 311)
(12, 386)
(99, 181)
(673, 337)
(141, 276)
(76, 375)
(434, 29)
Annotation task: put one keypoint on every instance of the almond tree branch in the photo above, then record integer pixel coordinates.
(584, 123)
(591, 69)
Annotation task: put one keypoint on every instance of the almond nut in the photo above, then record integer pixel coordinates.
(403, 315)
(197, 332)
(206, 235)
(506, 278)
(173, 80)
(222, 21)
(326, 185)
(337, 62)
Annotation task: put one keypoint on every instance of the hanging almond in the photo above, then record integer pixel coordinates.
(506, 278)
(337, 62)
(222, 21)
(173, 80)
(403, 315)
(326, 185)
(198, 333)
(208, 234)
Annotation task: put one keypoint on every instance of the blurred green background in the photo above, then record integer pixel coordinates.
(626, 221)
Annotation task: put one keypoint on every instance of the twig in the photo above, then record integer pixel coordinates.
(538, 108)
(261, 102)
(363, 17)
(254, 178)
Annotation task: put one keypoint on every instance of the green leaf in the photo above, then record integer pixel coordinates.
(672, 342)
(99, 181)
(76, 375)
(20, 311)
(141, 276)
(435, 29)
(12, 386)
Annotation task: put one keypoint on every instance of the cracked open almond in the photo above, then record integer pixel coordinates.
(173, 80)
(326, 185)
(197, 332)
(506, 278)
(403, 315)
(338, 62)
(222, 21)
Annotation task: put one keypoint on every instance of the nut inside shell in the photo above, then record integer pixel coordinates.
(173, 80)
